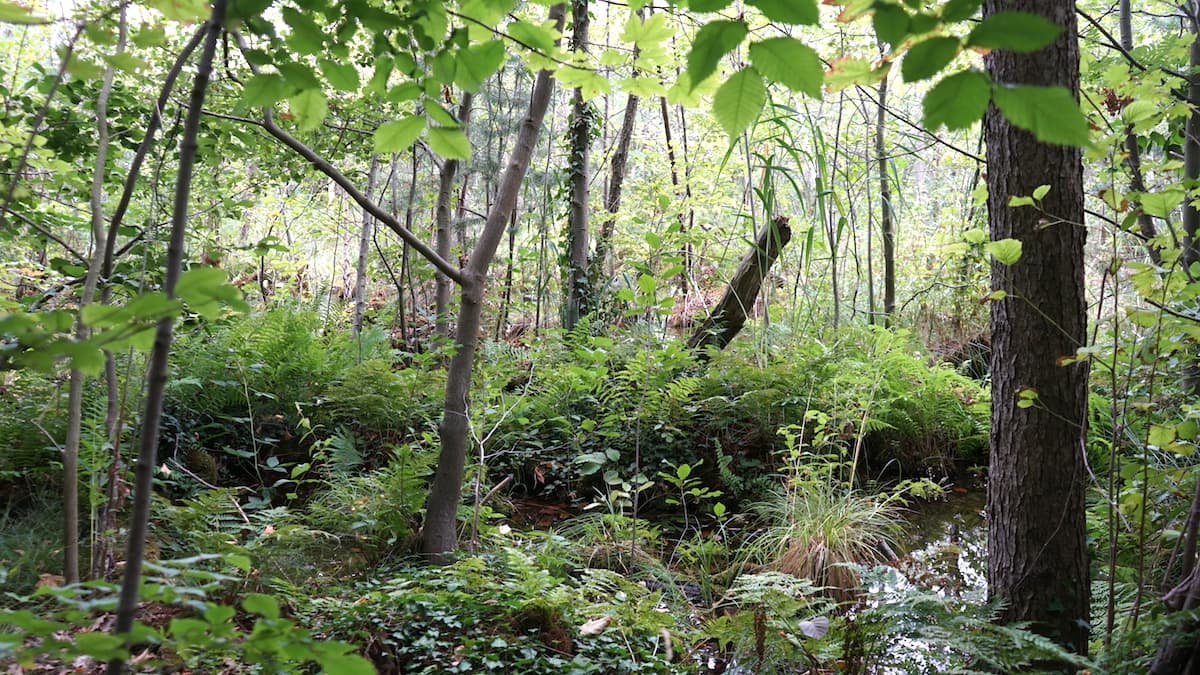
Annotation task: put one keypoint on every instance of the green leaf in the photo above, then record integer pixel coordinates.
(715, 40)
(928, 58)
(207, 289)
(343, 76)
(399, 135)
(957, 101)
(739, 101)
(299, 76)
(537, 37)
(789, 11)
(1040, 192)
(309, 108)
(346, 664)
(477, 63)
(262, 605)
(891, 24)
(148, 36)
(11, 12)
(449, 142)
(708, 5)
(264, 89)
(789, 62)
(1050, 113)
(306, 36)
(1005, 251)
(182, 10)
(1014, 31)
(649, 32)
(848, 71)
(1161, 436)
(960, 10)
(1161, 203)
(245, 9)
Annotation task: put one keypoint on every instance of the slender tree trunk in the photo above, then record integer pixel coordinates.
(686, 251)
(1037, 540)
(1191, 173)
(1133, 155)
(445, 491)
(75, 390)
(887, 227)
(578, 293)
(364, 249)
(506, 303)
(444, 223)
(157, 374)
(1176, 655)
(612, 201)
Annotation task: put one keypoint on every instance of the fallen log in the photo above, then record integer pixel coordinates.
(726, 319)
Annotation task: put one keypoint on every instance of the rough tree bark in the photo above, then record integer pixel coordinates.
(364, 249)
(445, 491)
(580, 175)
(442, 215)
(157, 373)
(886, 225)
(1037, 551)
(726, 319)
(616, 181)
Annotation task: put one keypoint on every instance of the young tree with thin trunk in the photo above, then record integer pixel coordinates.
(886, 225)
(445, 491)
(156, 375)
(1037, 539)
(580, 176)
(364, 248)
(444, 220)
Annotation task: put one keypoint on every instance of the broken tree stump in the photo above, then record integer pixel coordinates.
(726, 319)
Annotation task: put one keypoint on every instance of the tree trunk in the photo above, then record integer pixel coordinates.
(75, 391)
(157, 374)
(1133, 155)
(578, 293)
(686, 250)
(445, 491)
(887, 227)
(725, 320)
(1174, 655)
(616, 181)
(442, 214)
(364, 248)
(1191, 173)
(1037, 550)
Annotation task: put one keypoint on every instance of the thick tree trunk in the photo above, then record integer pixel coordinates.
(886, 225)
(1037, 550)
(364, 249)
(157, 373)
(725, 320)
(445, 491)
(442, 215)
(577, 215)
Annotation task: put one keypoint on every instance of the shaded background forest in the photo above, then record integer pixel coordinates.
(752, 492)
